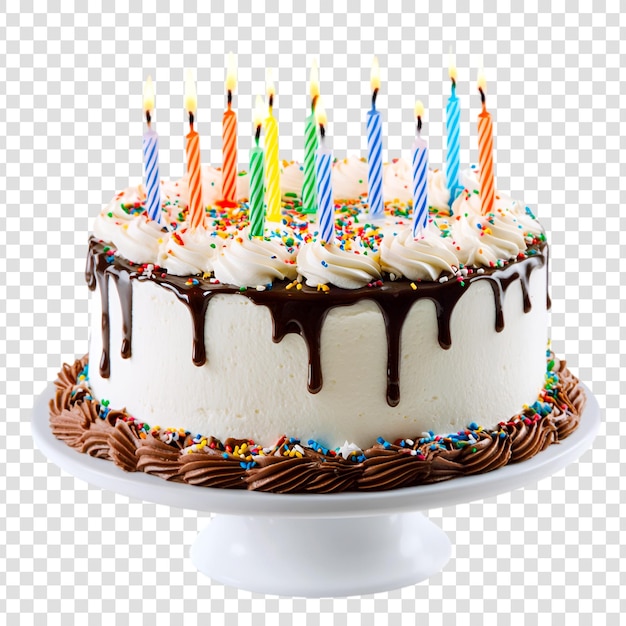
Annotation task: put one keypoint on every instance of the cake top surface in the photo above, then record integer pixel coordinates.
(456, 237)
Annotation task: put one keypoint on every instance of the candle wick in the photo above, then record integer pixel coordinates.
(419, 125)
(271, 102)
(148, 118)
(257, 135)
(322, 132)
(191, 119)
(453, 83)
(482, 96)
(313, 103)
(230, 99)
(374, 94)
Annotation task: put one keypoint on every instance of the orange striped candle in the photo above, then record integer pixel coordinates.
(485, 151)
(229, 141)
(195, 215)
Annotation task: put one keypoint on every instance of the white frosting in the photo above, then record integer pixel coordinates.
(189, 251)
(465, 237)
(350, 178)
(397, 183)
(424, 258)
(256, 261)
(321, 264)
(134, 235)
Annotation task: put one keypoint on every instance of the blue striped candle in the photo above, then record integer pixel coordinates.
(375, 150)
(151, 156)
(323, 180)
(453, 126)
(151, 169)
(420, 177)
(452, 158)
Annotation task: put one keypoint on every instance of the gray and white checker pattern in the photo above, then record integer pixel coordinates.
(70, 135)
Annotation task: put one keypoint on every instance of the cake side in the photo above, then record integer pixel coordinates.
(342, 365)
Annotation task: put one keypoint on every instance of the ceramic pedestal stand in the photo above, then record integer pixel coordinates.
(317, 545)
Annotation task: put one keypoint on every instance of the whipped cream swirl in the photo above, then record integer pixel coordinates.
(253, 262)
(321, 264)
(134, 235)
(188, 251)
(425, 258)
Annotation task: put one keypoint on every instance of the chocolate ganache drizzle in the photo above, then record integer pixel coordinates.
(303, 311)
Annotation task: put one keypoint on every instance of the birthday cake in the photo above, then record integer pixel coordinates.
(285, 364)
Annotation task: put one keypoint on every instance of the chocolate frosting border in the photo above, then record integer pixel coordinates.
(91, 427)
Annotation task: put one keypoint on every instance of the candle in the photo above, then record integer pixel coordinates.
(485, 151)
(375, 149)
(229, 140)
(323, 159)
(453, 118)
(151, 156)
(195, 207)
(309, 203)
(257, 210)
(272, 172)
(420, 176)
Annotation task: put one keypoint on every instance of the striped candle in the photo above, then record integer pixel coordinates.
(257, 210)
(272, 170)
(485, 152)
(325, 201)
(375, 150)
(151, 157)
(453, 118)
(229, 141)
(420, 177)
(309, 202)
(195, 206)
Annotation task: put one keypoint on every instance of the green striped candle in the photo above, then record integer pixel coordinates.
(309, 200)
(257, 210)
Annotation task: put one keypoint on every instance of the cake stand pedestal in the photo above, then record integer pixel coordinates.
(317, 545)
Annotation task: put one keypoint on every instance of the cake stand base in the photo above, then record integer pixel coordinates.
(321, 557)
(317, 545)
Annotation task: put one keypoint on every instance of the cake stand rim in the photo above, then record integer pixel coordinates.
(106, 475)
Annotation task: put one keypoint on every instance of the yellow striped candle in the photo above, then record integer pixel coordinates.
(195, 216)
(485, 151)
(272, 171)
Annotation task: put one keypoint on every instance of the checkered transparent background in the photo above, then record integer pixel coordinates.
(70, 136)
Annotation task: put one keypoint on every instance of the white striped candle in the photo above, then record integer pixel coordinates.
(151, 174)
(375, 150)
(420, 177)
(323, 177)
(151, 156)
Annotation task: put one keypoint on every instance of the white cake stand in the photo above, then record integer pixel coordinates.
(317, 545)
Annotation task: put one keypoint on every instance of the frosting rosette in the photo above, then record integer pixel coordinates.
(188, 252)
(438, 193)
(397, 182)
(254, 261)
(425, 258)
(481, 240)
(349, 178)
(124, 224)
(321, 264)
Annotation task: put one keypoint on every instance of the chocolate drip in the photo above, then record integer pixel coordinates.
(307, 321)
(196, 299)
(125, 292)
(103, 281)
(303, 311)
(394, 313)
